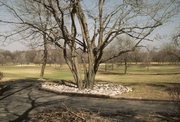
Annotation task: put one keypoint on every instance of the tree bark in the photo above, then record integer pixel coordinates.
(91, 73)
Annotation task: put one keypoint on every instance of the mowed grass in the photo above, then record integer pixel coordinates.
(153, 83)
(33, 71)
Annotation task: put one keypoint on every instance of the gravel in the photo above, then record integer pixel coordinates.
(99, 89)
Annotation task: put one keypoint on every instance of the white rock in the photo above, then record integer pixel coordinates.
(100, 89)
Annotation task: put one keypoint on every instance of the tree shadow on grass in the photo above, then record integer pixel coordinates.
(117, 73)
(163, 85)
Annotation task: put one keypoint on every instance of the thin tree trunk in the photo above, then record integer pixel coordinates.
(105, 67)
(125, 66)
(77, 74)
(91, 73)
(74, 67)
(112, 66)
(44, 57)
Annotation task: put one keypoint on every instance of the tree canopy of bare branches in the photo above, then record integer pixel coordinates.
(84, 31)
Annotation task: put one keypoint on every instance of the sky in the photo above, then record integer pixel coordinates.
(164, 31)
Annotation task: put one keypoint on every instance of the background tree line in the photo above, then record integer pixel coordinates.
(167, 53)
(30, 56)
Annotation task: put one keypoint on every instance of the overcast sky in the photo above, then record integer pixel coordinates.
(164, 31)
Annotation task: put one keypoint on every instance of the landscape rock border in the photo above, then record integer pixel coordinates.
(99, 90)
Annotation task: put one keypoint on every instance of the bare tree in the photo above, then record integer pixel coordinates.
(174, 48)
(85, 32)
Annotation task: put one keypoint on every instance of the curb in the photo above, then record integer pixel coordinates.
(106, 96)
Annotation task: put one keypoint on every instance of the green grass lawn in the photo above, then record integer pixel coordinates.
(22, 72)
(153, 83)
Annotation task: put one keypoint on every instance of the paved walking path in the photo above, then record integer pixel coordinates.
(23, 99)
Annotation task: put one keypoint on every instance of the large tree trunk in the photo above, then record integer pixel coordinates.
(90, 78)
(89, 72)
(44, 57)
